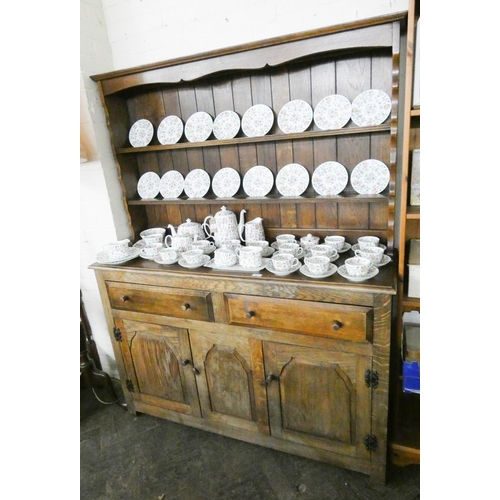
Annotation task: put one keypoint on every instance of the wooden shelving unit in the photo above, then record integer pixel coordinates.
(404, 441)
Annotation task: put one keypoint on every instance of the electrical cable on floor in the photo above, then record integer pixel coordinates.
(106, 402)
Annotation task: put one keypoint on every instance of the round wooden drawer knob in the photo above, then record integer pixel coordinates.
(337, 325)
(250, 314)
(185, 306)
(125, 298)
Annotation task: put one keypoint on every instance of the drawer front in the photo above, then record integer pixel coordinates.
(174, 302)
(322, 319)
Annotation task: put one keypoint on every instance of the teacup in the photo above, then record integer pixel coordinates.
(154, 230)
(231, 244)
(336, 242)
(225, 257)
(152, 238)
(325, 250)
(152, 250)
(167, 254)
(200, 244)
(317, 265)
(358, 266)
(193, 257)
(374, 254)
(250, 256)
(262, 244)
(291, 248)
(179, 243)
(368, 241)
(117, 249)
(284, 261)
(285, 238)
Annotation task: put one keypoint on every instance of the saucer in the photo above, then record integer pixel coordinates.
(347, 246)
(204, 260)
(332, 259)
(356, 247)
(270, 268)
(103, 257)
(331, 270)
(159, 260)
(385, 260)
(343, 272)
(148, 257)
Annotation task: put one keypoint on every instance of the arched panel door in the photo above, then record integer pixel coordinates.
(318, 397)
(158, 362)
(230, 379)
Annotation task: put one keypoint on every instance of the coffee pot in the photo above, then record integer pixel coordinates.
(223, 226)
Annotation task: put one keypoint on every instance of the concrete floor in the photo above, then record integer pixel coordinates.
(128, 457)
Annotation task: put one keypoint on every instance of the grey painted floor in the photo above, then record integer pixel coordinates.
(128, 457)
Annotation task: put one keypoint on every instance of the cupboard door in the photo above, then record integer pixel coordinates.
(318, 397)
(230, 379)
(158, 363)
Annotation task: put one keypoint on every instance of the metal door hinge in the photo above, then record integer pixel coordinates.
(371, 378)
(118, 334)
(130, 385)
(370, 442)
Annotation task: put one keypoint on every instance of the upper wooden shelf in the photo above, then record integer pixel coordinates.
(415, 111)
(253, 140)
(413, 212)
(212, 200)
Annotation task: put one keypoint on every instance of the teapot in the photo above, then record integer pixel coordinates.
(188, 228)
(254, 229)
(222, 227)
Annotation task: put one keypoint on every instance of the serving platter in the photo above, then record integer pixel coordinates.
(171, 184)
(257, 120)
(197, 183)
(226, 182)
(370, 177)
(199, 127)
(226, 125)
(371, 107)
(330, 178)
(170, 130)
(141, 133)
(292, 180)
(332, 112)
(295, 116)
(258, 181)
(148, 186)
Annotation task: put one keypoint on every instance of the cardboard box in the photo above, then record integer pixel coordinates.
(415, 178)
(414, 269)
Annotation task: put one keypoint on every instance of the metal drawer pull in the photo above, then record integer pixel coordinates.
(337, 325)
(269, 379)
(125, 298)
(250, 314)
(186, 306)
(195, 370)
(185, 362)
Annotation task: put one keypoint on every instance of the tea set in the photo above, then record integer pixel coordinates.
(241, 246)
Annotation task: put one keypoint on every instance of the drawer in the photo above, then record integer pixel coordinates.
(322, 319)
(174, 302)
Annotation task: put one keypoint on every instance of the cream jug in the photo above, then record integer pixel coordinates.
(254, 229)
(188, 228)
(222, 227)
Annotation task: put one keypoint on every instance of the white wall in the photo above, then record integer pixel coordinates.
(117, 34)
